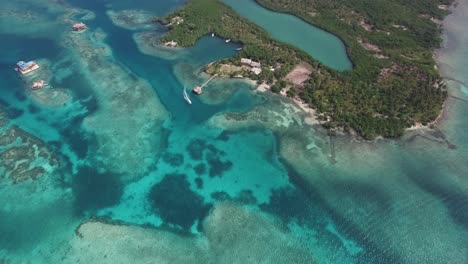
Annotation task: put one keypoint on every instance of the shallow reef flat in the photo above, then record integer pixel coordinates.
(47, 96)
(275, 113)
(398, 210)
(132, 19)
(232, 234)
(129, 120)
(17, 17)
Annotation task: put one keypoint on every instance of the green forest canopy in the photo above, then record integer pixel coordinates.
(386, 92)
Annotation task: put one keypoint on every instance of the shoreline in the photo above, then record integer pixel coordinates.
(446, 73)
(310, 118)
(401, 124)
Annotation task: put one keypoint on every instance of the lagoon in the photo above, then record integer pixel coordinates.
(321, 45)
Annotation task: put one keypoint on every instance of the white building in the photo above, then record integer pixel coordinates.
(255, 64)
(256, 70)
(246, 61)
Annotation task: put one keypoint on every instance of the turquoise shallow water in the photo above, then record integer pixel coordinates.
(321, 45)
(236, 177)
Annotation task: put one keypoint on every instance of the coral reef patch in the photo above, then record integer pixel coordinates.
(176, 203)
(22, 155)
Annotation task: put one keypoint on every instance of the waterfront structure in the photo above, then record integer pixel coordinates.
(79, 27)
(251, 63)
(255, 64)
(26, 67)
(171, 43)
(38, 84)
(199, 89)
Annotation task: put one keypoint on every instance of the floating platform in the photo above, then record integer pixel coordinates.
(26, 67)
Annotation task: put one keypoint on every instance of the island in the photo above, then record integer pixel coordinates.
(393, 85)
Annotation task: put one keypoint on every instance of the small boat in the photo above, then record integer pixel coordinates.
(228, 40)
(239, 49)
(186, 97)
(212, 34)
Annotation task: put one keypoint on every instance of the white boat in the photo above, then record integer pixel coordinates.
(186, 97)
(228, 40)
(212, 34)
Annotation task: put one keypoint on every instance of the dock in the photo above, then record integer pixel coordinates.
(199, 89)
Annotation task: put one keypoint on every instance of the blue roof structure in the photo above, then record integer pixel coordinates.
(24, 65)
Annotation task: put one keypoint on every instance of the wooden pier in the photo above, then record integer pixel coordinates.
(199, 89)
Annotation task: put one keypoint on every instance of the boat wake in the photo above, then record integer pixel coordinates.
(186, 98)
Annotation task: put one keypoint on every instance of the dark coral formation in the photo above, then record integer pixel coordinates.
(224, 136)
(23, 156)
(174, 159)
(221, 196)
(288, 203)
(200, 169)
(94, 189)
(246, 197)
(199, 183)
(176, 203)
(243, 197)
(217, 166)
(196, 148)
(199, 149)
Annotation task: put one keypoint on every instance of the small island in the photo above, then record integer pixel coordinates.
(393, 85)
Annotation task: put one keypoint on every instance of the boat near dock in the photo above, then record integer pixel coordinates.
(227, 40)
(26, 67)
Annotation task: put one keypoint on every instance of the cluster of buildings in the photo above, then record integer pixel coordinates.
(26, 67)
(30, 66)
(255, 67)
